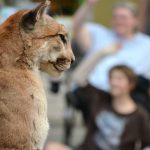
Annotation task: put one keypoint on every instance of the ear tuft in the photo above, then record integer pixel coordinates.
(29, 20)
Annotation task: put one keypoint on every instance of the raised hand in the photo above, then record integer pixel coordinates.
(112, 48)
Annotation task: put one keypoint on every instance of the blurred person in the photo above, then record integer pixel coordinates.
(76, 100)
(117, 122)
(94, 37)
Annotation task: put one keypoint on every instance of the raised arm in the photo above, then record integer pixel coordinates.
(81, 34)
(82, 14)
(81, 73)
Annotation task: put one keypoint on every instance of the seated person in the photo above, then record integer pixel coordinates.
(117, 122)
(134, 45)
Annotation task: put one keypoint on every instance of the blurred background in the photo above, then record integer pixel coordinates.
(66, 123)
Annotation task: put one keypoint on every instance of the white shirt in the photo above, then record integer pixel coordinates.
(134, 53)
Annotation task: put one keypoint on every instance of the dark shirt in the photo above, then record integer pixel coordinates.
(124, 132)
(109, 130)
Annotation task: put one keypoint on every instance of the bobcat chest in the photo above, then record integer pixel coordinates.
(39, 121)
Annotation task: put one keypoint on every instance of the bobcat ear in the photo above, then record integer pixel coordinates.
(29, 19)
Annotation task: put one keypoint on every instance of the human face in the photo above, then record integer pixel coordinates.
(119, 84)
(123, 22)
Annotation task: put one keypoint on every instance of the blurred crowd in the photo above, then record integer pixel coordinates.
(110, 81)
(110, 86)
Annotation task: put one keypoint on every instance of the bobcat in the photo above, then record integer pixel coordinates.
(30, 41)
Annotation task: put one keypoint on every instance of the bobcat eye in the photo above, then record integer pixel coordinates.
(62, 37)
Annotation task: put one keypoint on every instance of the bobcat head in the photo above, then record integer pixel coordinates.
(37, 41)
(50, 45)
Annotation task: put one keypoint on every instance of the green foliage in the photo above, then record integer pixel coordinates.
(80, 1)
